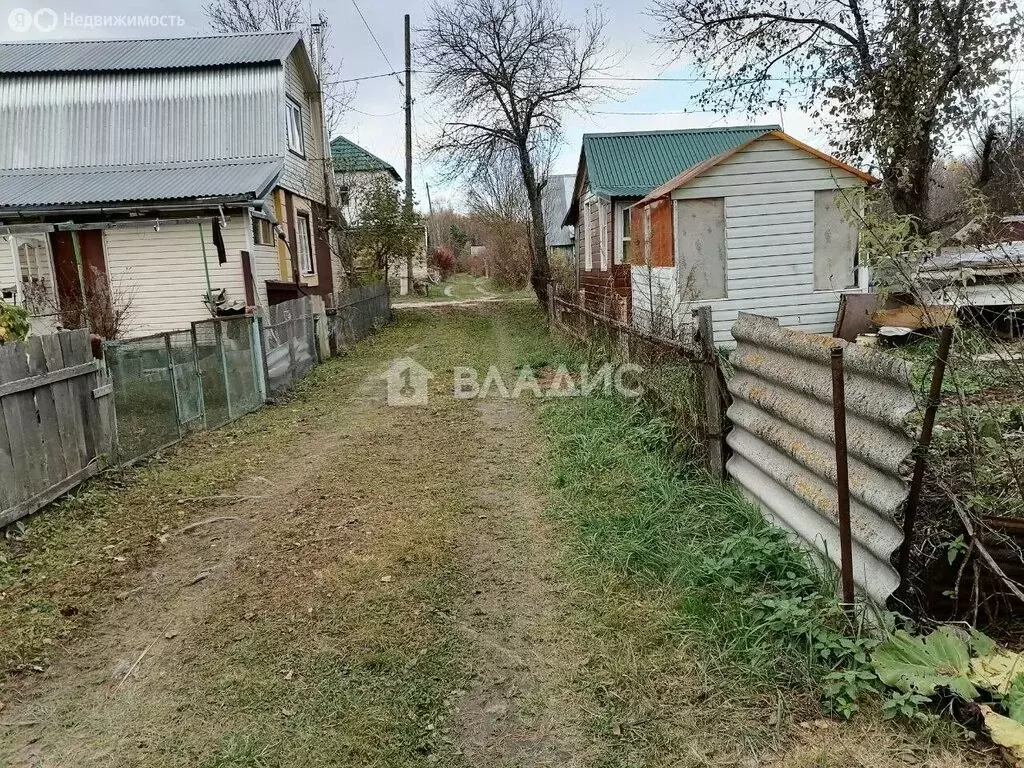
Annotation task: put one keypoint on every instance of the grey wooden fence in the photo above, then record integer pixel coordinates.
(56, 418)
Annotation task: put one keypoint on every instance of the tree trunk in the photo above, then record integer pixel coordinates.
(540, 272)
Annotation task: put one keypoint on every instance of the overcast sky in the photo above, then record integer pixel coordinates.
(375, 120)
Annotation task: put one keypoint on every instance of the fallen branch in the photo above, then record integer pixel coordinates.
(986, 555)
(138, 661)
(229, 497)
(19, 724)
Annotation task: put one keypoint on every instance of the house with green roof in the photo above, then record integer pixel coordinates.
(745, 219)
(355, 170)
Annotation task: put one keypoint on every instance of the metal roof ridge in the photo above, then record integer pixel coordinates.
(666, 131)
(93, 41)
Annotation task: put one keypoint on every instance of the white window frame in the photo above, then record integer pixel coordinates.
(304, 245)
(624, 210)
(45, 259)
(293, 127)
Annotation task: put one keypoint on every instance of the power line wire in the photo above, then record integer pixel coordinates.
(377, 42)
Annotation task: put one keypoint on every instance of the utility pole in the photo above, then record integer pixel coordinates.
(408, 143)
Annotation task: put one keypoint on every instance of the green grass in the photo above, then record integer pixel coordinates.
(707, 625)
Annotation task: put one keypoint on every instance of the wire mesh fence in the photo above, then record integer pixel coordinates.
(356, 315)
(172, 383)
(680, 375)
(144, 395)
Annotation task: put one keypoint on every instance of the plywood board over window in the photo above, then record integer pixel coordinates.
(835, 241)
(701, 248)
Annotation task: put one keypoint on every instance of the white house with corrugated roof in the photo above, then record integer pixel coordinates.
(187, 177)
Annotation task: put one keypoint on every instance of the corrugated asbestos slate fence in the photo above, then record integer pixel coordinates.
(783, 434)
(55, 420)
(356, 315)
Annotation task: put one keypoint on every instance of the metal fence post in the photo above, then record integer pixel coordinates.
(258, 359)
(261, 331)
(931, 410)
(712, 393)
(842, 476)
(199, 376)
(174, 384)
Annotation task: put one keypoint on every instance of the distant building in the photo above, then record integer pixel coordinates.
(355, 171)
(557, 197)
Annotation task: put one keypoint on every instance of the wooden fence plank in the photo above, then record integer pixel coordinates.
(22, 425)
(8, 491)
(90, 407)
(40, 500)
(67, 427)
(73, 406)
(39, 380)
(56, 470)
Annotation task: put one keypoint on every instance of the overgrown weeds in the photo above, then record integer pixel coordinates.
(750, 611)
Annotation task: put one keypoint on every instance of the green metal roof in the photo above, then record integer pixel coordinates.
(351, 158)
(633, 164)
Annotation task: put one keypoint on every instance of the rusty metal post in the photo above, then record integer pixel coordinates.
(921, 462)
(842, 475)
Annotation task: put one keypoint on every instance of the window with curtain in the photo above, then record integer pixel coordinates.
(304, 246)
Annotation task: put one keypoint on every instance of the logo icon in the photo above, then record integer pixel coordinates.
(46, 19)
(20, 20)
(408, 383)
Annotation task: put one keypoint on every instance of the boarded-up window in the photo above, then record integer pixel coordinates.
(588, 254)
(835, 241)
(700, 248)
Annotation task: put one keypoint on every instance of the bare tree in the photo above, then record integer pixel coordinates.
(240, 16)
(500, 211)
(510, 69)
(896, 78)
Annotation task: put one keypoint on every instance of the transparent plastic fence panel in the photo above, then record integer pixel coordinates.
(213, 368)
(144, 399)
(289, 344)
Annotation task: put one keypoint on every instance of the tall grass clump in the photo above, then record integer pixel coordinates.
(752, 606)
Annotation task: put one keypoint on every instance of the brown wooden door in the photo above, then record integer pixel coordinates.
(94, 266)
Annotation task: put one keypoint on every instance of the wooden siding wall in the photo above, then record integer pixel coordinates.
(769, 191)
(603, 287)
(266, 266)
(303, 176)
(162, 272)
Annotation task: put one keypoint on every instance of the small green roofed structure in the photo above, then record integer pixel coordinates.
(349, 157)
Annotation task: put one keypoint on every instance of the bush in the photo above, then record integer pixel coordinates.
(14, 325)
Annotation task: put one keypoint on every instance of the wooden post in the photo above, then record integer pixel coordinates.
(712, 393)
(551, 304)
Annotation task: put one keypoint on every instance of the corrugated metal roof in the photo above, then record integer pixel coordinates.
(633, 164)
(349, 157)
(58, 188)
(783, 442)
(557, 198)
(132, 118)
(163, 53)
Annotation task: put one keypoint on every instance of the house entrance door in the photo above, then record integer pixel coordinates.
(94, 269)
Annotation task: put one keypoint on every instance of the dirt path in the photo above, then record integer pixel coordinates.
(307, 618)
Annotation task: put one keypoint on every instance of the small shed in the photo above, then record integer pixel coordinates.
(767, 226)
